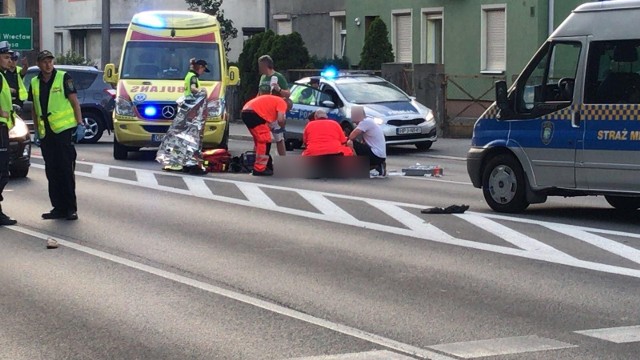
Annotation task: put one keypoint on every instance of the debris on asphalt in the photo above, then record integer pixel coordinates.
(52, 243)
(423, 170)
(453, 209)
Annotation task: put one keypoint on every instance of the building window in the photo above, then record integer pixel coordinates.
(283, 27)
(402, 44)
(59, 43)
(339, 33)
(432, 36)
(494, 38)
(79, 42)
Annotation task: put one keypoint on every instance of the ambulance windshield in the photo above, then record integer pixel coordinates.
(168, 60)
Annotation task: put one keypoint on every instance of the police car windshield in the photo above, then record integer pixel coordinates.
(371, 92)
(168, 60)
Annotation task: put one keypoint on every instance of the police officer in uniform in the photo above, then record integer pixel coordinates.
(6, 123)
(56, 114)
(14, 76)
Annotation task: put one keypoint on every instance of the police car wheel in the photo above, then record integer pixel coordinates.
(626, 203)
(424, 146)
(19, 172)
(503, 184)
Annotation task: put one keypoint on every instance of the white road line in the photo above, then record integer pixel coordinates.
(514, 237)
(198, 187)
(326, 206)
(502, 346)
(101, 171)
(146, 178)
(368, 355)
(343, 329)
(426, 178)
(618, 335)
(612, 269)
(409, 220)
(254, 194)
(611, 246)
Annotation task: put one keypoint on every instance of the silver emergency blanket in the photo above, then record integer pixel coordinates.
(182, 146)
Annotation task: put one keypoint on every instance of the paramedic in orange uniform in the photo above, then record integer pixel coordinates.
(258, 114)
(323, 136)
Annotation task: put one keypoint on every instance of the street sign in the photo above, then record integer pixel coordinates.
(18, 32)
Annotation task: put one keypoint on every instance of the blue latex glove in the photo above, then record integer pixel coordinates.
(79, 133)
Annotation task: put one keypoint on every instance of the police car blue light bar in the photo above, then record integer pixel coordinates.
(329, 72)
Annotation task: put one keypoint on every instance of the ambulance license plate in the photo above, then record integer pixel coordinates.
(157, 137)
(409, 130)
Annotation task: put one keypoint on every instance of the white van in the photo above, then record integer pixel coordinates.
(570, 124)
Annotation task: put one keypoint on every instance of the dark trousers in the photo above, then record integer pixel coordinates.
(363, 149)
(4, 157)
(59, 163)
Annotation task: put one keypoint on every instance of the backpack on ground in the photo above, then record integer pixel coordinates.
(216, 160)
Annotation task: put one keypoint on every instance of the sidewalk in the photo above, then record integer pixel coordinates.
(443, 147)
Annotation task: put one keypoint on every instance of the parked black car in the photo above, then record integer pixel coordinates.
(97, 99)
(19, 149)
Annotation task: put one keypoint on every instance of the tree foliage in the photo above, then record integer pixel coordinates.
(213, 8)
(72, 58)
(287, 51)
(377, 49)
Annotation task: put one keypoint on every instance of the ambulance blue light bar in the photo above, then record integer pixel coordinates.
(150, 20)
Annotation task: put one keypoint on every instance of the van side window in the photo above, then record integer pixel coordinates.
(547, 84)
(613, 73)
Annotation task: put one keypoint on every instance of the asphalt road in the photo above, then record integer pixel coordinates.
(227, 266)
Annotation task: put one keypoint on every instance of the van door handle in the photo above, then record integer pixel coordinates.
(575, 119)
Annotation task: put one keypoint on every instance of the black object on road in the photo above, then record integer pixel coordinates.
(453, 209)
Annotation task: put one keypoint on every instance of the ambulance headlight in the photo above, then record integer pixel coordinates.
(124, 107)
(19, 130)
(215, 108)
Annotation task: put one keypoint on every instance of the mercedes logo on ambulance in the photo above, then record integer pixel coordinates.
(168, 112)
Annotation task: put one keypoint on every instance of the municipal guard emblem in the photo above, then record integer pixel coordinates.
(547, 132)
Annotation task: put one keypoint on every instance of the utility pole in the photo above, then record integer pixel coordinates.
(267, 14)
(106, 32)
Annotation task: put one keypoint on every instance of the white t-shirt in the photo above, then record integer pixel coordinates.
(374, 137)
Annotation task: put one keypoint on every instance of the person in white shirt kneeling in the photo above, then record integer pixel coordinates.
(373, 144)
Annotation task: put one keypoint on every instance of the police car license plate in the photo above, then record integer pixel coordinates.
(408, 130)
(157, 137)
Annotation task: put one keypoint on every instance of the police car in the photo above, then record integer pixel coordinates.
(403, 119)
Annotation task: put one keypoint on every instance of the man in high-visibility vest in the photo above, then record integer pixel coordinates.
(192, 79)
(56, 115)
(14, 76)
(6, 123)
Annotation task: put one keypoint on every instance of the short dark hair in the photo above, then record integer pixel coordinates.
(267, 60)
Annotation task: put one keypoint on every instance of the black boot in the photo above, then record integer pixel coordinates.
(5, 220)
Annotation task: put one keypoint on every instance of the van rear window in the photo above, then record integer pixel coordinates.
(613, 73)
(168, 60)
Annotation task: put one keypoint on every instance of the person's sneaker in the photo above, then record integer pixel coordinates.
(374, 173)
(72, 215)
(6, 221)
(262, 173)
(172, 168)
(54, 214)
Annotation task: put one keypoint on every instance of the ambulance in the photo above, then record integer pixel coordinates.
(570, 124)
(155, 59)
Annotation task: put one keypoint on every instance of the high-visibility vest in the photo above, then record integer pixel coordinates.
(60, 116)
(22, 90)
(187, 83)
(5, 101)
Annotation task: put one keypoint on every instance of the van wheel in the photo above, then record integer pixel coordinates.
(624, 202)
(224, 144)
(120, 152)
(503, 184)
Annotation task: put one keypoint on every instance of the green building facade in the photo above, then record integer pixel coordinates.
(468, 36)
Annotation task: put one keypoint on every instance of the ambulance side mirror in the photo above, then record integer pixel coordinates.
(234, 76)
(110, 74)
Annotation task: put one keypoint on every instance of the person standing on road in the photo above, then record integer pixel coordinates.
(373, 145)
(6, 123)
(258, 114)
(14, 75)
(192, 79)
(56, 114)
(273, 83)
